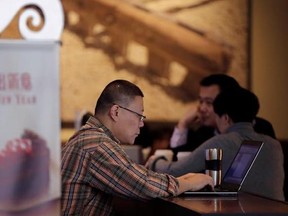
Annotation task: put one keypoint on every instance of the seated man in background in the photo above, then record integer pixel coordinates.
(235, 111)
(81, 119)
(199, 123)
(95, 168)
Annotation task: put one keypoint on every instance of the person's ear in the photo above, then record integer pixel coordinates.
(114, 112)
(228, 120)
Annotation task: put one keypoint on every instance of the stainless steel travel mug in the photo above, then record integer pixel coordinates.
(213, 164)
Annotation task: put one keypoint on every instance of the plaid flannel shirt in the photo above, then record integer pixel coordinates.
(95, 168)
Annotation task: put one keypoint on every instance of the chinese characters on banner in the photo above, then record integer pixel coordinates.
(16, 82)
(29, 127)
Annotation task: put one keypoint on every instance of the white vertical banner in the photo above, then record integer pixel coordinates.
(29, 126)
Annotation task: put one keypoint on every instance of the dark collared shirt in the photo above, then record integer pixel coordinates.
(95, 168)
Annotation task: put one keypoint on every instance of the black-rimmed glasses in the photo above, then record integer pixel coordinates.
(142, 117)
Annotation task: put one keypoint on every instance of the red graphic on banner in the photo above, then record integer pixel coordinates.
(24, 168)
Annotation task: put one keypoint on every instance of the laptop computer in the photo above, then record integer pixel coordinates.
(237, 172)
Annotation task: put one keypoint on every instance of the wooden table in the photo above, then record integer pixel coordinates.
(244, 204)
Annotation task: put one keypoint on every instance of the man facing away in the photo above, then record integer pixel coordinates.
(95, 168)
(235, 111)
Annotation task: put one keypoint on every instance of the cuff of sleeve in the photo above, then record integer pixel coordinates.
(180, 132)
(153, 165)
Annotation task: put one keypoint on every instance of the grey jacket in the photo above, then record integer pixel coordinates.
(266, 177)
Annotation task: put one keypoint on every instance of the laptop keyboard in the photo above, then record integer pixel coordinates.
(226, 187)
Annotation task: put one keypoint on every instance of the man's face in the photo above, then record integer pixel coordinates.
(207, 95)
(130, 122)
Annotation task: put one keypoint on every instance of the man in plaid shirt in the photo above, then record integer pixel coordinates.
(95, 168)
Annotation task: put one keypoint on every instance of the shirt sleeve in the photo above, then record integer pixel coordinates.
(195, 161)
(192, 163)
(114, 173)
(178, 138)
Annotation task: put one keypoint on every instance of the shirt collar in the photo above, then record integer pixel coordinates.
(95, 123)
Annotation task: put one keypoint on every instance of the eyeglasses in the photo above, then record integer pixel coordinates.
(142, 117)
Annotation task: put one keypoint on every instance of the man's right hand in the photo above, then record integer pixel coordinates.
(194, 182)
(191, 118)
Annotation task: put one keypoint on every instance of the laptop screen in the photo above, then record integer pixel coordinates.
(242, 162)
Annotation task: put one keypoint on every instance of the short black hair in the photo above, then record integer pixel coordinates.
(224, 81)
(117, 92)
(240, 104)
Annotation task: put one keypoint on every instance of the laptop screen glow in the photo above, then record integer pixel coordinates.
(242, 162)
